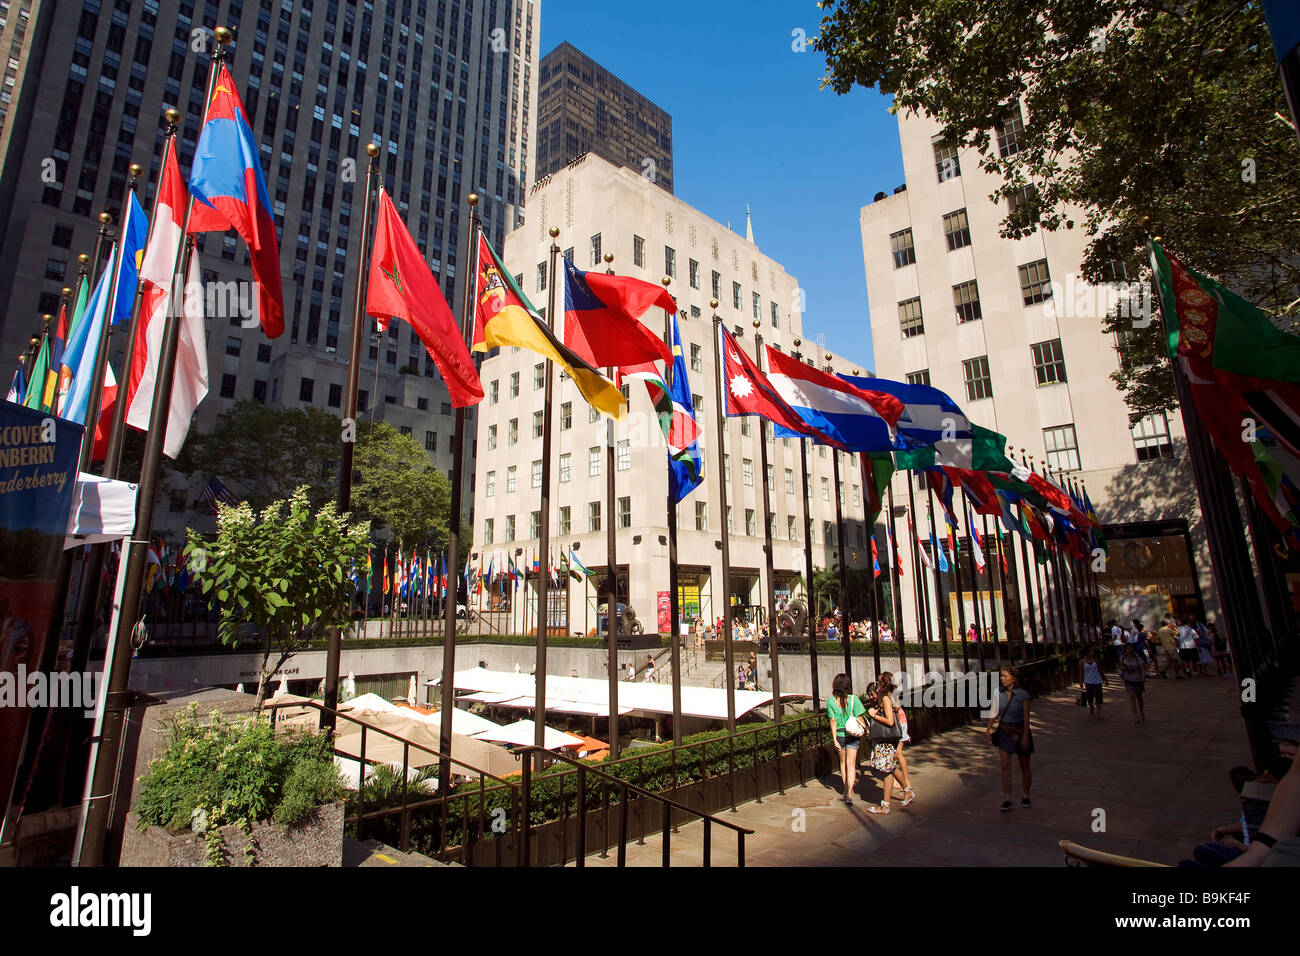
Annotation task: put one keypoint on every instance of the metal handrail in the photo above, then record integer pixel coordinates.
(626, 788)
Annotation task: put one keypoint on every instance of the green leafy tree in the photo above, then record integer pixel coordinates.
(398, 488)
(284, 571)
(1131, 109)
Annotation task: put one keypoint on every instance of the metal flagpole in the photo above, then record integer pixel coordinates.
(940, 591)
(674, 598)
(922, 597)
(95, 811)
(728, 651)
(894, 582)
(544, 532)
(868, 481)
(613, 620)
(807, 552)
(349, 429)
(961, 607)
(767, 542)
(843, 555)
(451, 591)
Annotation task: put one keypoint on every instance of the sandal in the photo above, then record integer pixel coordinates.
(882, 810)
(908, 796)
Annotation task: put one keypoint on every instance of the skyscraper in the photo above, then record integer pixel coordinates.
(444, 87)
(582, 107)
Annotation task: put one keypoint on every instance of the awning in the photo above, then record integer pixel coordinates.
(523, 733)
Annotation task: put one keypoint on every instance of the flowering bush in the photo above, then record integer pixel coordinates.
(220, 772)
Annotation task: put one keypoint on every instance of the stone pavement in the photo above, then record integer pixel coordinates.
(1163, 785)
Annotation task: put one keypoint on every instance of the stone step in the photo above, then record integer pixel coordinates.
(374, 853)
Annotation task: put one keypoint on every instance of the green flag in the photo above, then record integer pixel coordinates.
(36, 393)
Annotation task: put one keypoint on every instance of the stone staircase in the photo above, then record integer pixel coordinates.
(374, 853)
(696, 671)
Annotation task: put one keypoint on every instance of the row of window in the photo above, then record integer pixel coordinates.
(1035, 286)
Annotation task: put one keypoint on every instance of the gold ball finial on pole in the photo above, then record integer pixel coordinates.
(713, 303)
(135, 169)
(856, 372)
(798, 342)
(172, 116)
(666, 280)
(35, 341)
(472, 199)
(372, 150)
(223, 36)
(554, 231)
(757, 325)
(84, 259)
(47, 318)
(105, 219)
(609, 257)
(65, 291)
(829, 357)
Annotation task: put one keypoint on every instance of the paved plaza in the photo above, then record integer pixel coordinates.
(1162, 785)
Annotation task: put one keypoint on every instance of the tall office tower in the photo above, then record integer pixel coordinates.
(582, 107)
(1010, 330)
(603, 209)
(444, 87)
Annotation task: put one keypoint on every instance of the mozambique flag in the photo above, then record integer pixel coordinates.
(504, 316)
(384, 579)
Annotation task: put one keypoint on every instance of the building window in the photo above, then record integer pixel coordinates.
(233, 345)
(1049, 362)
(510, 527)
(767, 478)
(624, 512)
(900, 244)
(227, 386)
(701, 516)
(792, 527)
(919, 378)
(490, 485)
(726, 468)
(946, 162)
(566, 466)
(566, 513)
(494, 388)
(789, 481)
(826, 489)
(536, 476)
(731, 520)
(978, 383)
(1062, 448)
(694, 270)
(697, 402)
(535, 524)
(956, 229)
(746, 429)
(747, 472)
(624, 456)
(1035, 283)
(697, 358)
(670, 262)
(539, 423)
(593, 515)
(909, 317)
(595, 249)
(966, 298)
(735, 295)
(492, 438)
(541, 277)
(514, 384)
(1009, 134)
(749, 522)
(828, 532)
(593, 461)
(487, 530)
(758, 306)
(566, 416)
(776, 317)
(1151, 438)
(539, 376)
(335, 395)
(512, 432)
(430, 441)
(593, 415)
(857, 496)
(638, 252)
(512, 479)
(1025, 195)
(717, 286)
(305, 389)
(568, 254)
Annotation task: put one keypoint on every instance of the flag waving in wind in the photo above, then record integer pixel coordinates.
(859, 419)
(230, 193)
(747, 391)
(402, 287)
(676, 412)
(602, 317)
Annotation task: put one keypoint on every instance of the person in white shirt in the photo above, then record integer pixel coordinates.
(1187, 651)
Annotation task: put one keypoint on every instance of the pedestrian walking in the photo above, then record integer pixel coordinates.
(905, 775)
(1092, 681)
(846, 715)
(1134, 672)
(1168, 638)
(1187, 650)
(1204, 646)
(1009, 731)
(631, 671)
(885, 734)
(1219, 648)
(649, 670)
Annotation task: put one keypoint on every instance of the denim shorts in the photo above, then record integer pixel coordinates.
(847, 742)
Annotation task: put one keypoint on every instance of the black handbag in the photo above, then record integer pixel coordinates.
(882, 733)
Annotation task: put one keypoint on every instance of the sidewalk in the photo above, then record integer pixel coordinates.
(1160, 788)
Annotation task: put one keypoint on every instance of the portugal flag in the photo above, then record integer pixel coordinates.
(504, 316)
(402, 287)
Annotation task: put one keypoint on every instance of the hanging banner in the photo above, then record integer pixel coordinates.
(664, 603)
(38, 475)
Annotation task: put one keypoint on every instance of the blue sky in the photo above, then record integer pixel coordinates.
(750, 125)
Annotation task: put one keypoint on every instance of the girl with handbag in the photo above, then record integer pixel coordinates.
(846, 712)
(906, 776)
(885, 734)
(1012, 735)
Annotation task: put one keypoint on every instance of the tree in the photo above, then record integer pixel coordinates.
(399, 488)
(1132, 109)
(285, 571)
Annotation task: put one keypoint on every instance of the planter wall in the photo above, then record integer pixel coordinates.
(316, 842)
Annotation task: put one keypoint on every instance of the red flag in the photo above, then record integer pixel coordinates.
(602, 318)
(402, 287)
(746, 391)
(108, 398)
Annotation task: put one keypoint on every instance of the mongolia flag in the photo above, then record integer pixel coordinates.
(402, 287)
(602, 318)
(857, 418)
(875, 559)
(157, 272)
(747, 391)
(504, 316)
(230, 193)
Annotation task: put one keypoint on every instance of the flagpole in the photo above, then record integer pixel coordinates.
(450, 593)
(613, 620)
(843, 556)
(894, 581)
(1064, 561)
(1051, 574)
(873, 623)
(994, 572)
(349, 430)
(961, 606)
(728, 651)
(940, 590)
(807, 551)
(1022, 579)
(95, 810)
(770, 591)
(977, 614)
(674, 596)
(922, 597)
(96, 395)
(544, 533)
